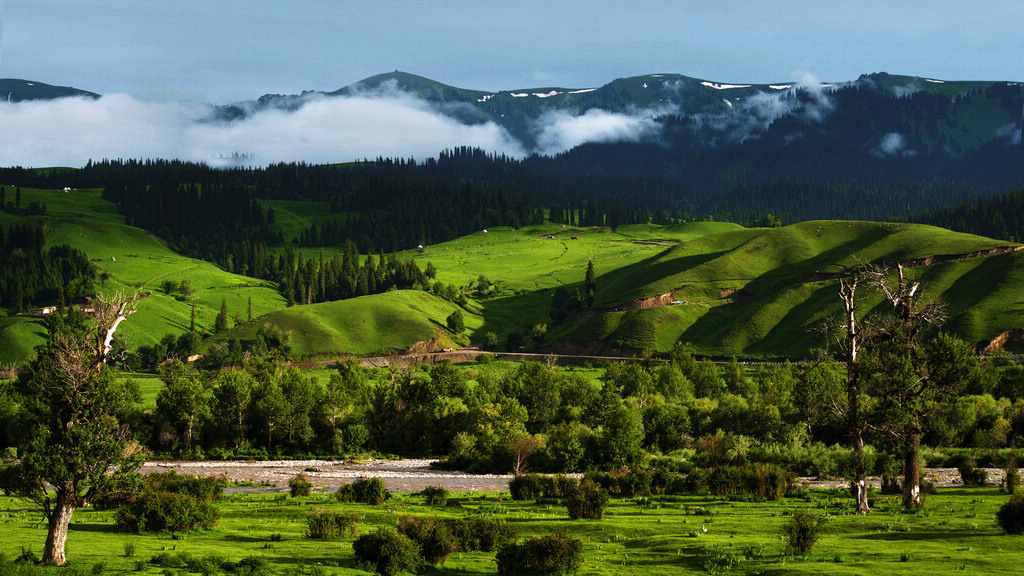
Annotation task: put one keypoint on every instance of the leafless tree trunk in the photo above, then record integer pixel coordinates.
(854, 425)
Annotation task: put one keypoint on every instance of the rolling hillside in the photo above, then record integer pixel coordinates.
(728, 290)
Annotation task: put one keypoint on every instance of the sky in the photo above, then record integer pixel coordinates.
(221, 51)
(146, 55)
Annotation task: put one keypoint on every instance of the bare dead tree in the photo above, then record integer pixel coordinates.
(851, 341)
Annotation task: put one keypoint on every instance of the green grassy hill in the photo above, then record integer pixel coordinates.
(378, 324)
(766, 291)
(136, 262)
(727, 289)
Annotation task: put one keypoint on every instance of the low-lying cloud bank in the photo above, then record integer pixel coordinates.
(71, 131)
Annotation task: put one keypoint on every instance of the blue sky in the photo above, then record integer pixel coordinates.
(227, 50)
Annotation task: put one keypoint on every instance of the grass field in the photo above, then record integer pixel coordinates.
(747, 292)
(955, 534)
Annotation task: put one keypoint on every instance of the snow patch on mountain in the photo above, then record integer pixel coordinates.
(717, 86)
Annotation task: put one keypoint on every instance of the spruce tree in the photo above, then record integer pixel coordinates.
(590, 284)
(220, 324)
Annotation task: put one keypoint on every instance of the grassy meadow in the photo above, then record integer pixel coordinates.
(754, 292)
(954, 534)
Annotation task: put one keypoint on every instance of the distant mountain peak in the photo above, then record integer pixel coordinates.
(18, 90)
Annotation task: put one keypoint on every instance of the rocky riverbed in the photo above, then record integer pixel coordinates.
(412, 475)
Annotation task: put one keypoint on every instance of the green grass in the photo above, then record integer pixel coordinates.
(755, 292)
(759, 291)
(955, 533)
(381, 323)
(136, 262)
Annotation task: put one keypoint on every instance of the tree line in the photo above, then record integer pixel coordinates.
(31, 273)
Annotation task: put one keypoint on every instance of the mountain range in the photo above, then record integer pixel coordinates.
(878, 128)
(935, 115)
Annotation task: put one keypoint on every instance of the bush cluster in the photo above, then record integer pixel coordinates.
(481, 534)
(172, 502)
(1012, 480)
(434, 538)
(324, 524)
(1011, 515)
(552, 554)
(587, 500)
(802, 531)
(971, 475)
(300, 485)
(429, 540)
(631, 482)
(534, 486)
(389, 552)
(365, 491)
(756, 478)
(435, 495)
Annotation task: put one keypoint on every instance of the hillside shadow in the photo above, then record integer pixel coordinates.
(620, 283)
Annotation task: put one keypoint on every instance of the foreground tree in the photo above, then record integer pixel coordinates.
(910, 378)
(853, 338)
(73, 440)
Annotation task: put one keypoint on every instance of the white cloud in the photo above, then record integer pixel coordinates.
(1010, 132)
(70, 131)
(561, 130)
(893, 144)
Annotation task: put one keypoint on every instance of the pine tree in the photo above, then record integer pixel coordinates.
(250, 308)
(220, 324)
(590, 284)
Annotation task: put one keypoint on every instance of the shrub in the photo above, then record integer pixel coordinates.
(636, 482)
(158, 511)
(1012, 480)
(757, 479)
(365, 491)
(436, 495)
(200, 487)
(483, 534)
(802, 531)
(300, 485)
(552, 554)
(323, 524)
(388, 551)
(433, 536)
(663, 480)
(526, 486)
(891, 484)
(1011, 515)
(586, 500)
(971, 475)
(558, 486)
